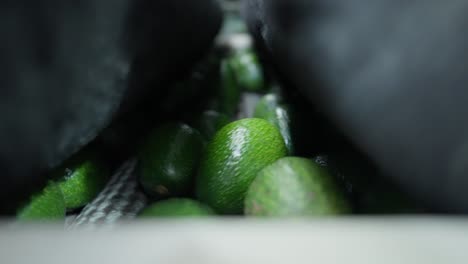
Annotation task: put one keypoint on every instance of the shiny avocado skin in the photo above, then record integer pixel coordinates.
(294, 186)
(169, 159)
(232, 160)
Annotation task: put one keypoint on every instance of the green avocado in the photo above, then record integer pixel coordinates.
(168, 160)
(229, 93)
(49, 204)
(248, 71)
(293, 187)
(81, 179)
(232, 160)
(177, 207)
(270, 109)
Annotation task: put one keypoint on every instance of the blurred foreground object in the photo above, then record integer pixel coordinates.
(67, 68)
(328, 241)
(391, 74)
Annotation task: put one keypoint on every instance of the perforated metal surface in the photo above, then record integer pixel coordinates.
(120, 199)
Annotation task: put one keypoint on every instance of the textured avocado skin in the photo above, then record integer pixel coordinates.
(232, 160)
(177, 207)
(294, 186)
(169, 159)
(48, 204)
(68, 68)
(81, 178)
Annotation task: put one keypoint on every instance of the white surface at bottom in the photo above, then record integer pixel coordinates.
(349, 240)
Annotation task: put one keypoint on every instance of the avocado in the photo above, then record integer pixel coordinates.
(177, 207)
(168, 160)
(248, 71)
(48, 204)
(232, 160)
(270, 109)
(81, 178)
(294, 186)
(229, 93)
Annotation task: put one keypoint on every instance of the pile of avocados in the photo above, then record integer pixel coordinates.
(217, 163)
(212, 160)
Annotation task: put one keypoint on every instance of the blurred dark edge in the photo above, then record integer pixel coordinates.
(391, 74)
(68, 67)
